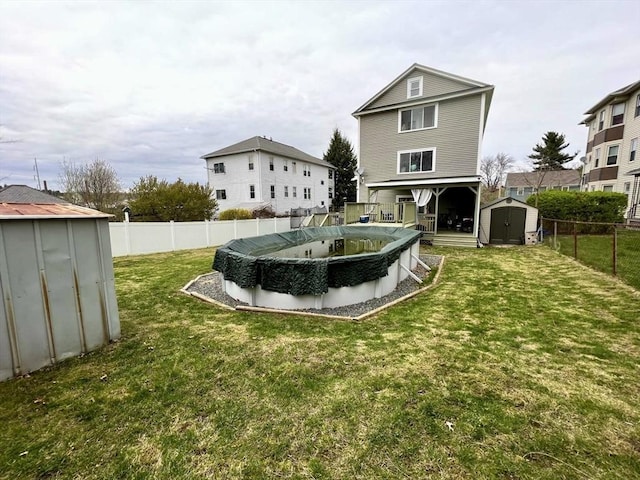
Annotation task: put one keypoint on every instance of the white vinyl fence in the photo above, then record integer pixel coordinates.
(135, 238)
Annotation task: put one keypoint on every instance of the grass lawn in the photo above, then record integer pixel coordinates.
(519, 364)
(597, 252)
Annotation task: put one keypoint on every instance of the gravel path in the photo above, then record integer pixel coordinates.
(210, 286)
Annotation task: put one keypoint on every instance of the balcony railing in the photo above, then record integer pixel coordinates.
(403, 214)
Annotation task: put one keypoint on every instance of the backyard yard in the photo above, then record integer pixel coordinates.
(520, 363)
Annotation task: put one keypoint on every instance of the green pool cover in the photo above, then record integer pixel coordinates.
(247, 263)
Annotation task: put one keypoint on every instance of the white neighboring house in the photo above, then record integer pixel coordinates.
(258, 172)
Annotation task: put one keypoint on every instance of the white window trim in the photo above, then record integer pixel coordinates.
(435, 118)
(426, 149)
(411, 80)
(607, 164)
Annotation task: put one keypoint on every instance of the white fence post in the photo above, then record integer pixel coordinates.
(258, 226)
(127, 238)
(206, 233)
(173, 235)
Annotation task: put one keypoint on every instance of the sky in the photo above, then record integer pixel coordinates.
(150, 87)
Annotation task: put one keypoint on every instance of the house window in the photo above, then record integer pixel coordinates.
(330, 192)
(285, 166)
(307, 193)
(414, 87)
(293, 167)
(617, 114)
(637, 114)
(273, 191)
(634, 147)
(294, 192)
(418, 118)
(286, 192)
(271, 163)
(321, 182)
(601, 121)
(607, 188)
(597, 155)
(250, 162)
(414, 161)
(612, 155)
(330, 174)
(513, 191)
(306, 170)
(221, 194)
(252, 191)
(218, 167)
(627, 187)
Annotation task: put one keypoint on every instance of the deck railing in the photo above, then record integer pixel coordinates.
(402, 213)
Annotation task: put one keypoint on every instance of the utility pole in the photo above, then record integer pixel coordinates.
(35, 161)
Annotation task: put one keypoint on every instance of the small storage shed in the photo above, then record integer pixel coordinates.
(57, 289)
(508, 221)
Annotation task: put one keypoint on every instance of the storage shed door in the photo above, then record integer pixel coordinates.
(507, 225)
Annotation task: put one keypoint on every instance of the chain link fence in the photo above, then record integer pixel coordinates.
(609, 247)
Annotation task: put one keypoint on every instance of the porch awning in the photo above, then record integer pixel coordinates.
(419, 182)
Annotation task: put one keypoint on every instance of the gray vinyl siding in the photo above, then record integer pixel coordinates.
(455, 140)
(432, 85)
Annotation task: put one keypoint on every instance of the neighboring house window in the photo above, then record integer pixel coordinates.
(634, 148)
(607, 188)
(418, 118)
(252, 191)
(307, 194)
(285, 166)
(330, 192)
(513, 191)
(294, 191)
(542, 188)
(250, 162)
(612, 155)
(330, 174)
(414, 87)
(321, 182)
(271, 163)
(601, 122)
(286, 192)
(574, 188)
(306, 170)
(218, 167)
(520, 191)
(221, 194)
(627, 187)
(617, 114)
(637, 106)
(273, 191)
(597, 158)
(415, 161)
(293, 167)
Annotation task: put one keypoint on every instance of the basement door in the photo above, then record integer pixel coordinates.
(507, 225)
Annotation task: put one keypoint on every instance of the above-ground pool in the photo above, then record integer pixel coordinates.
(314, 268)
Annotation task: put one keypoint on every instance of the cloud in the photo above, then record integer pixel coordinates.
(151, 86)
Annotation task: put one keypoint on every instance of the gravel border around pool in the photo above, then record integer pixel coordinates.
(208, 287)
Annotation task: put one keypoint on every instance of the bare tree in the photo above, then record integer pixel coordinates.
(493, 170)
(92, 185)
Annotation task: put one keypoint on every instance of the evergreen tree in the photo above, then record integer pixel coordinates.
(549, 155)
(340, 155)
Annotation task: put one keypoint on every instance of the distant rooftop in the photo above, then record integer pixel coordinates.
(25, 194)
(620, 95)
(550, 178)
(266, 145)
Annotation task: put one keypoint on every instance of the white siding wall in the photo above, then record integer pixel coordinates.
(238, 177)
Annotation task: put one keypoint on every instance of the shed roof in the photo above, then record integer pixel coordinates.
(30, 211)
(504, 199)
(25, 194)
(267, 145)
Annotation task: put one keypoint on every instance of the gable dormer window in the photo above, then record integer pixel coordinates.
(414, 87)
(418, 118)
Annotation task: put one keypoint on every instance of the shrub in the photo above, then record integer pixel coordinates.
(235, 214)
(604, 207)
(264, 212)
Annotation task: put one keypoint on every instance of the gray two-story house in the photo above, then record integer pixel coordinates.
(420, 141)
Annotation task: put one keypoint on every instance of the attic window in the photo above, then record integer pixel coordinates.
(414, 87)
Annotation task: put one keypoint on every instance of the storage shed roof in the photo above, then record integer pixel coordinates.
(30, 211)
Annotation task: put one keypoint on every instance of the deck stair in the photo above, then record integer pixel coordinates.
(453, 240)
